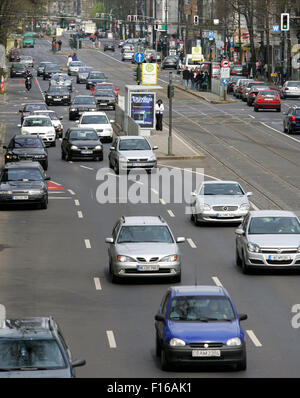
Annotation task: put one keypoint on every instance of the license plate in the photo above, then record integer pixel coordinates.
(268, 99)
(148, 267)
(206, 353)
(224, 215)
(20, 197)
(84, 152)
(279, 257)
(57, 99)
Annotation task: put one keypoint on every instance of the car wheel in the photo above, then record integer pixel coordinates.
(255, 108)
(44, 204)
(242, 365)
(238, 260)
(100, 158)
(196, 221)
(245, 267)
(157, 346)
(278, 110)
(70, 117)
(116, 168)
(176, 279)
(164, 363)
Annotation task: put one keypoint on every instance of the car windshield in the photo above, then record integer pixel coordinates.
(268, 94)
(274, 225)
(51, 68)
(19, 66)
(76, 63)
(37, 122)
(201, 309)
(104, 87)
(145, 233)
(35, 107)
(30, 353)
(58, 90)
(296, 112)
(84, 70)
(237, 67)
(52, 115)
(293, 84)
(28, 143)
(61, 78)
(83, 135)
(105, 93)
(26, 174)
(42, 64)
(134, 145)
(259, 88)
(94, 119)
(98, 75)
(26, 58)
(84, 101)
(221, 189)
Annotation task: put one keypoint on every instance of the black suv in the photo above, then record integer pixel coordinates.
(58, 95)
(24, 182)
(26, 147)
(80, 104)
(291, 121)
(35, 348)
(28, 108)
(17, 69)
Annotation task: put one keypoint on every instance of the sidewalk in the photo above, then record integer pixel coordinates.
(207, 96)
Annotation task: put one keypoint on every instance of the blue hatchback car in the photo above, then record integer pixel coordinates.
(199, 325)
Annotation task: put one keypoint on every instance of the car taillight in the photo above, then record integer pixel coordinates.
(242, 89)
(252, 95)
(293, 118)
(286, 89)
(231, 84)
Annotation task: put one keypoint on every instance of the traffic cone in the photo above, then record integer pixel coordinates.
(2, 84)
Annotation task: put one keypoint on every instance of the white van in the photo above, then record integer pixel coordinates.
(188, 62)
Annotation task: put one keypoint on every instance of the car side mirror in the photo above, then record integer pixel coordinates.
(193, 194)
(159, 318)
(249, 193)
(78, 362)
(111, 121)
(180, 239)
(19, 125)
(112, 148)
(47, 178)
(242, 317)
(239, 231)
(155, 147)
(77, 121)
(109, 240)
(61, 118)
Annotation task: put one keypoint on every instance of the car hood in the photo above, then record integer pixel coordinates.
(279, 240)
(29, 374)
(84, 75)
(97, 80)
(28, 151)
(15, 185)
(37, 129)
(84, 106)
(85, 142)
(147, 249)
(136, 154)
(192, 332)
(223, 200)
(105, 97)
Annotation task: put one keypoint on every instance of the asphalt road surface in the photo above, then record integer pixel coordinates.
(54, 262)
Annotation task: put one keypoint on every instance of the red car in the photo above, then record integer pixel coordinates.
(106, 86)
(267, 99)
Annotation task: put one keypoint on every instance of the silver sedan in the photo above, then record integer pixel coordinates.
(268, 239)
(219, 201)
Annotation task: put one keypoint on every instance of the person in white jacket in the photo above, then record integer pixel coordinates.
(70, 59)
(159, 110)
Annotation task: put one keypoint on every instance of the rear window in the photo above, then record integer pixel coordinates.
(293, 84)
(268, 94)
(297, 112)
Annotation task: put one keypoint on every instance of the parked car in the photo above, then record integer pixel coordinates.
(26, 147)
(241, 87)
(232, 82)
(247, 88)
(127, 55)
(39, 126)
(237, 86)
(290, 89)
(18, 69)
(291, 121)
(23, 182)
(219, 201)
(57, 95)
(267, 99)
(199, 325)
(81, 143)
(98, 121)
(81, 104)
(268, 239)
(143, 247)
(35, 348)
(253, 93)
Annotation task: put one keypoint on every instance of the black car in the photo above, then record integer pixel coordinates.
(41, 67)
(15, 55)
(109, 46)
(238, 70)
(18, 69)
(50, 70)
(28, 108)
(253, 93)
(170, 62)
(58, 95)
(35, 348)
(95, 77)
(26, 147)
(105, 98)
(291, 121)
(24, 182)
(82, 74)
(80, 104)
(81, 143)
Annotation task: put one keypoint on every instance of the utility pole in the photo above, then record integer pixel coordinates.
(170, 96)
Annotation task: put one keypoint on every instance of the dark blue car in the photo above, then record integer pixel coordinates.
(291, 121)
(199, 325)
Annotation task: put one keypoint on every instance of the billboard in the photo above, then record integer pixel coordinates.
(142, 109)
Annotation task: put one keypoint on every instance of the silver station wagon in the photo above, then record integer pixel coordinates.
(268, 239)
(143, 247)
(219, 201)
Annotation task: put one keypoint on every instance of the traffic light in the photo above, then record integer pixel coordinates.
(170, 91)
(196, 20)
(129, 18)
(134, 18)
(138, 74)
(285, 21)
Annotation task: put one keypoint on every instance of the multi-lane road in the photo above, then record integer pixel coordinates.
(54, 261)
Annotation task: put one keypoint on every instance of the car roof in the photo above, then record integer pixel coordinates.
(23, 164)
(203, 290)
(221, 182)
(132, 137)
(272, 213)
(83, 96)
(26, 136)
(30, 328)
(94, 113)
(143, 220)
(35, 116)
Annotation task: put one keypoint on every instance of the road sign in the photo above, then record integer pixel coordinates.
(139, 58)
(149, 74)
(197, 54)
(225, 73)
(224, 82)
(210, 35)
(225, 63)
(275, 28)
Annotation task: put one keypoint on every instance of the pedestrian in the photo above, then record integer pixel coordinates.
(199, 80)
(193, 75)
(159, 110)
(59, 45)
(74, 57)
(70, 59)
(186, 77)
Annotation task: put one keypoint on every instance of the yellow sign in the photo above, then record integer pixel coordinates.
(149, 74)
(197, 54)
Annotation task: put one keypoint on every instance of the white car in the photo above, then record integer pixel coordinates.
(290, 89)
(98, 121)
(27, 60)
(74, 67)
(40, 126)
(57, 124)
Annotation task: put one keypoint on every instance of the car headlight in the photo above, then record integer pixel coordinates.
(98, 147)
(152, 159)
(204, 207)
(65, 96)
(253, 247)
(122, 159)
(175, 342)
(36, 191)
(235, 341)
(298, 249)
(73, 109)
(74, 147)
(245, 206)
(171, 258)
(109, 130)
(5, 192)
(48, 96)
(125, 259)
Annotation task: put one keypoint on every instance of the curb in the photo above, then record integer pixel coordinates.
(204, 98)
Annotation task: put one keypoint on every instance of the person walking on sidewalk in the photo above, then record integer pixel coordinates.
(186, 77)
(59, 45)
(159, 110)
(193, 74)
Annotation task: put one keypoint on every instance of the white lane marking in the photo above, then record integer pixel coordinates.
(97, 284)
(76, 201)
(171, 214)
(190, 171)
(277, 131)
(87, 243)
(85, 167)
(57, 183)
(111, 339)
(254, 339)
(40, 89)
(80, 215)
(253, 117)
(186, 144)
(71, 192)
(59, 197)
(217, 281)
(154, 191)
(162, 201)
(254, 206)
(191, 243)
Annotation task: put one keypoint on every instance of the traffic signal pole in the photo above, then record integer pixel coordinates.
(170, 95)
